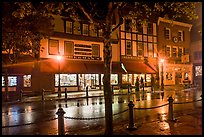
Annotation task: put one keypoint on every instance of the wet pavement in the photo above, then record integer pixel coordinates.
(86, 116)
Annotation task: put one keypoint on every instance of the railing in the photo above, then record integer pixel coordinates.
(131, 109)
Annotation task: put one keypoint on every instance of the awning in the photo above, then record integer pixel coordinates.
(78, 67)
(137, 68)
(153, 66)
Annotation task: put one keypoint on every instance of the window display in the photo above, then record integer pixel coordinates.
(114, 79)
(198, 70)
(66, 79)
(27, 80)
(12, 81)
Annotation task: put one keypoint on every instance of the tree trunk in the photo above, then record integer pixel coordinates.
(106, 82)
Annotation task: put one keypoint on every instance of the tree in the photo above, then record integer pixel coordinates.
(109, 16)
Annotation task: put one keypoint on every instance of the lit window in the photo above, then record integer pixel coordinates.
(12, 81)
(66, 79)
(150, 50)
(180, 51)
(128, 48)
(85, 29)
(167, 33)
(174, 52)
(140, 49)
(69, 27)
(168, 51)
(168, 76)
(3, 81)
(27, 80)
(114, 79)
(53, 47)
(198, 71)
(180, 36)
(77, 28)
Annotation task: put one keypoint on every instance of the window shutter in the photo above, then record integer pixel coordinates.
(95, 50)
(68, 48)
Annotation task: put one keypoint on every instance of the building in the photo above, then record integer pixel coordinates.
(174, 48)
(135, 53)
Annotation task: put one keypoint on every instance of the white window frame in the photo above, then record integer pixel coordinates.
(170, 49)
(180, 37)
(165, 34)
(69, 29)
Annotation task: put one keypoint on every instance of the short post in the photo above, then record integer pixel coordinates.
(43, 94)
(128, 88)
(171, 112)
(65, 94)
(21, 95)
(60, 112)
(87, 90)
(131, 116)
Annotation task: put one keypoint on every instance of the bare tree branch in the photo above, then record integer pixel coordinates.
(86, 14)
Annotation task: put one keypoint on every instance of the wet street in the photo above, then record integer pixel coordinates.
(87, 114)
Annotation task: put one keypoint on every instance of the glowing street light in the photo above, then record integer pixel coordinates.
(59, 58)
(162, 74)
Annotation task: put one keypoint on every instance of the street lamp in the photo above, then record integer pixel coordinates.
(162, 74)
(59, 58)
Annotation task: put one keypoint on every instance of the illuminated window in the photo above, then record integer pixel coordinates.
(12, 81)
(66, 79)
(168, 76)
(27, 80)
(85, 29)
(128, 48)
(180, 51)
(68, 48)
(168, 51)
(155, 50)
(114, 79)
(186, 76)
(167, 33)
(198, 71)
(140, 49)
(53, 48)
(180, 36)
(150, 29)
(3, 81)
(77, 28)
(150, 50)
(69, 27)
(174, 52)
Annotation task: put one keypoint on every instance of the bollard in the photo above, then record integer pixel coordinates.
(60, 114)
(43, 94)
(171, 116)
(65, 94)
(21, 95)
(128, 88)
(100, 100)
(131, 116)
(77, 103)
(87, 90)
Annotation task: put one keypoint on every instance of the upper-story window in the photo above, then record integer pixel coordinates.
(174, 52)
(180, 36)
(167, 33)
(128, 48)
(95, 50)
(53, 47)
(69, 27)
(168, 51)
(77, 28)
(150, 29)
(128, 25)
(150, 50)
(140, 49)
(180, 52)
(185, 51)
(93, 31)
(68, 48)
(85, 29)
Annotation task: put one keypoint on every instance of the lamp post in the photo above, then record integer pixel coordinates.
(162, 74)
(59, 57)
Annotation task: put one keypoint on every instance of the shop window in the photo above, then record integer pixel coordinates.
(27, 80)
(167, 33)
(124, 78)
(85, 29)
(128, 48)
(77, 28)
(168, 76)
(114, 79)
(198, 71)
(66, 79)
(3, 81)
(69, 27)
(68, 48)
(12, 81)
(53, 47)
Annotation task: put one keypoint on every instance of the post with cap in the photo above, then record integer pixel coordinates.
(171, 112)
(60, 114)
(131, 125)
